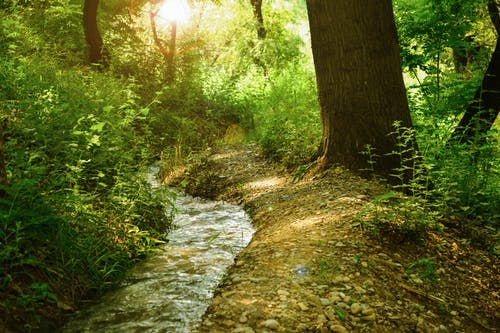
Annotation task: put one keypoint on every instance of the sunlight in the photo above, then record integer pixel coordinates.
(174, 11)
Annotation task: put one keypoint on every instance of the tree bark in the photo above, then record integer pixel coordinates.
(483, 110)
(360, 82)
(3, 169)
(92, 34)
(167, 51)
(257, 11)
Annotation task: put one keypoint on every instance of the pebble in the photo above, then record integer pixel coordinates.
(367, 312)
(356, 308)
(371, 317)
(283, 293)
(338, 329)
(325, 301)
(302, 306)
(271, 324)
(335, 298)
(243, 330)
(343, 306)
(228, 323)
(321, 318)
(418, 281)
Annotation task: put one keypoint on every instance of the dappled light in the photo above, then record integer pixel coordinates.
(267, 183)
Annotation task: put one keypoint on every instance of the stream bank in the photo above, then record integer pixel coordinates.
(308, 269)
(170, 291)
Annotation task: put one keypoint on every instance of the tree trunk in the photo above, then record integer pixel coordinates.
(257, 11)
(483, 110)
(168, 51)
(360, 82)
(3, 170)
(92, 34)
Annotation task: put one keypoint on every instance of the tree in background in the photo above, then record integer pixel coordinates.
(3, 171)
(257, 11)
(359, 78)
(483, 110)
(92, 34)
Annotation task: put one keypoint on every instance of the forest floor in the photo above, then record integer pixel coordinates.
(309, 269)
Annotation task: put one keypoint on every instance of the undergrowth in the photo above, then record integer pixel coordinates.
(457, 182)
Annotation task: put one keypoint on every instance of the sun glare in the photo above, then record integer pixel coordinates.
(174, 10)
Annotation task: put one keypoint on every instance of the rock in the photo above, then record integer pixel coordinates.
(271, 324)
(335, 298)
(243, 330)
(384, 256)
(330, 315)
(417, 280)
(356, 308)
(343, 305)
(321, 318)
(302, 306)
(338, 329)
(368, 283)
(228, 323)
(441, 328)
(283, 293)
(371, 317)
(325, 301)
(367, 312)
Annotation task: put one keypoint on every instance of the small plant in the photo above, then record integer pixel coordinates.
(409, 210)
(342, 316)
(35, 295)
(326, 269)
(424, 269)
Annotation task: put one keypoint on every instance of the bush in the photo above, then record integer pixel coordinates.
(77, 213)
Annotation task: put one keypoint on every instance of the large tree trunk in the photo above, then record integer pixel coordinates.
(92, 34)
(360, 82)
(482, 112)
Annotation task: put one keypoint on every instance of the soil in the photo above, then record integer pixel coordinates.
(309, 268)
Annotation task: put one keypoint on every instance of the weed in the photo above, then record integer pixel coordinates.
(424, 269)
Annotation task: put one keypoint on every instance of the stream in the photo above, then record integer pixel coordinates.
(171, 291)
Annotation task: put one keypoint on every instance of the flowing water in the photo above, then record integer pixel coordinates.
(171, 291)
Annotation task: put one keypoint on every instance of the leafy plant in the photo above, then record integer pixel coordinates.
(424, 269)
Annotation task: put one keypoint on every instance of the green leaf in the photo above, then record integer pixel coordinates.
(98, 127)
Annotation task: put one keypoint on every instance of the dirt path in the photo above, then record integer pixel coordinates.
(308, 269)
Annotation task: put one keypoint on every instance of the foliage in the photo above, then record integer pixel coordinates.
(458, 182)
(424, 269)
(448, 182)
(288, 118)
(77, 214)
